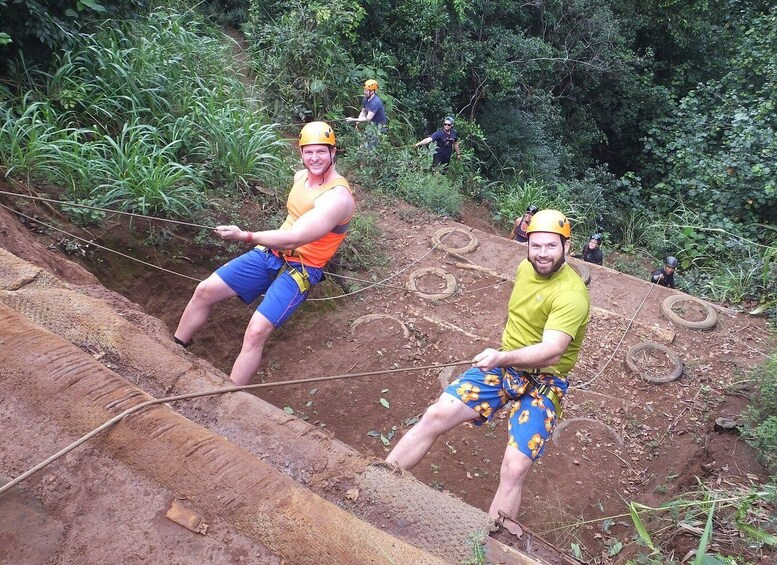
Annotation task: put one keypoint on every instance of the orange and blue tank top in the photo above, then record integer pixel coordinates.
(301, 199)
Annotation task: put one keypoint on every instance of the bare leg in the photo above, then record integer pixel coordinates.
(448, 412)
(247, 363)
(207, 294)
(515, 468)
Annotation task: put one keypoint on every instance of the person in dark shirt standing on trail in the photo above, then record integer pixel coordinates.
(519, 226)
(592, 252)
(665, 275)
(447, 140)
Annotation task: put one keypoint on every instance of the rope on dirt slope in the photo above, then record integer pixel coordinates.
(97, 244)
(370, 284)
(615, 349)
(189, 396)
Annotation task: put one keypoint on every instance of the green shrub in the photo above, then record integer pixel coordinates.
(510, 200)
(141, 175)
(239, 149)
(760, 427)
(430, 190)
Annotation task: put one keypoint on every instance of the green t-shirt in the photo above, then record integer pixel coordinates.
(559, 302)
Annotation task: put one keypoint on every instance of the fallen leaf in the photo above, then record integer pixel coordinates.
(352, 494)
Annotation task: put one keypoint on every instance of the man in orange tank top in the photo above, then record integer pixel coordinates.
(285, 263)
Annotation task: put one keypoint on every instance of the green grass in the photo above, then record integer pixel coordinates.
(760, 417)
(146, 116)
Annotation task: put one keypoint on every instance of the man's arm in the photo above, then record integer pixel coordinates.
(456, 148)
(364, 116)
(516, 223)
(424, 141)
(329, 209)
(544, 354)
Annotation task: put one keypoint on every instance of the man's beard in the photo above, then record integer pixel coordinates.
(545, 270)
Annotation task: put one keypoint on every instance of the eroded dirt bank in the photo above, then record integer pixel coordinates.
(623, 437)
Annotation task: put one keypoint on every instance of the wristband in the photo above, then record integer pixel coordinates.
(249, 237)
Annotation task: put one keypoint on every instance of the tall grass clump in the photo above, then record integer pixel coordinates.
(238, 148)
(145, 69)
(147, 115)
(716, 260)
(731, 522)
(760, 417)
(510, 200)
(140, 174)
(28, 137)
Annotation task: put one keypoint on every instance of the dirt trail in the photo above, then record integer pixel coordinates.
(622, 436)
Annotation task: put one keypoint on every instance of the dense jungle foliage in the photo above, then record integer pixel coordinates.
(652, 122)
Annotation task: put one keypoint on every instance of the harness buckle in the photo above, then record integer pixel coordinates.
(545, 390)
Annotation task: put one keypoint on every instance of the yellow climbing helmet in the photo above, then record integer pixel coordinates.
(551, 221)
(317, 133)
(371, 84)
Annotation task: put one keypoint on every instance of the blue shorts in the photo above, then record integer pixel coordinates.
(532, 417)
(256, 273)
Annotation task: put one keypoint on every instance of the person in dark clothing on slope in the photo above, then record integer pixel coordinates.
(519, 226)
(447, 140)
(592, 252)
(665, 275)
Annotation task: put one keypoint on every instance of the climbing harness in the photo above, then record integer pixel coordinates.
(546, 390)
(541, 389)
(300, 275)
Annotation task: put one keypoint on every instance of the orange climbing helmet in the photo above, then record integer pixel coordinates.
(317, 133)
(551, 221)
(371, 84)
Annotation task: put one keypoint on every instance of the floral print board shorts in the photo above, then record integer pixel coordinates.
(532, 416)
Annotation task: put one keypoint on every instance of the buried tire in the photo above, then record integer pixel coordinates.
(450, 283)
(667, 309)
(583, 271)
(443, 232)
(654, 362)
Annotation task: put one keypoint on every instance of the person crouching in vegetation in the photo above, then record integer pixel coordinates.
(284, 263)
(518, 232)
(547, 317)
(447, 140)
(665, 275)
(592, 252)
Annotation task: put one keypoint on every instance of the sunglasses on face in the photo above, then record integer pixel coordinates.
(447, 125)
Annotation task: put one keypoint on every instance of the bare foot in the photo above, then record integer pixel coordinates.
(509, 524)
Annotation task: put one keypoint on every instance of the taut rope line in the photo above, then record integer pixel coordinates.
(98, 245)
(109, 210)
(615, 349)
(91, 242)
(224, 390)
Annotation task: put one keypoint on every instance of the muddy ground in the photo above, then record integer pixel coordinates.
(622, 439)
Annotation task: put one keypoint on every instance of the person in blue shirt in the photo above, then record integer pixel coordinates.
(372, 107)
(447, 141)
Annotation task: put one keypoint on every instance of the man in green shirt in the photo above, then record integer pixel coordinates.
(547, 319)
